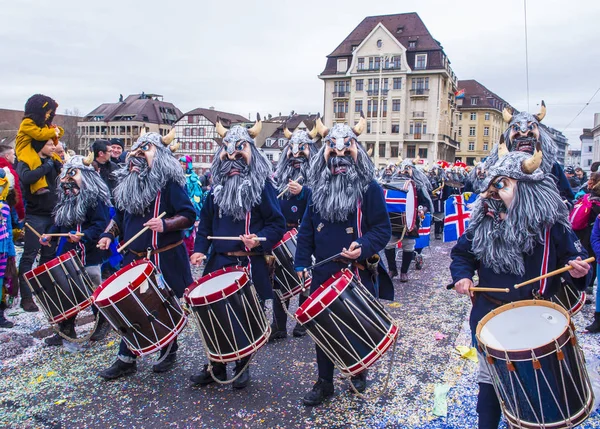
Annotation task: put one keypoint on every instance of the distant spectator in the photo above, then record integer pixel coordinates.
(38, 214)
(118, 151)
(103, 163)
(7, 159)
(573, 180)
(60, 151)
(581, 175)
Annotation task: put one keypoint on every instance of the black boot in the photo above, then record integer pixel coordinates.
(320, 391)
(66, 327)
(488, 407)
(102, 329)
(243, 380)
(278, 327)
(203, 378)
(167, 363)
(299, 330)
(118, 369)
(595, 326)
(359, 381)
(4, 322)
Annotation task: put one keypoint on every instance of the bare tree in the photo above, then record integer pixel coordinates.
(69, 122)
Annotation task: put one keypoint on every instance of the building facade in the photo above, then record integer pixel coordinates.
(125, 120)
(587, 149)
(479, 121)
(197, 135)
(393, 70)
(574, 158)
(596, 138)
(561, 143)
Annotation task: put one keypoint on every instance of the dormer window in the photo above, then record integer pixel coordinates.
(342, 65)
(399, 30)
(412, 44)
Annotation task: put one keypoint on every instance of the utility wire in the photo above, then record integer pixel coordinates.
(581, 111)
(526, 54)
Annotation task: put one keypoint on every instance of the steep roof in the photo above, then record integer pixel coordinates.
(486, 98)
(136, 107)
(212, 114)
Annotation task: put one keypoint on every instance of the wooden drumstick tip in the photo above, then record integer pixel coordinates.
(552, 273)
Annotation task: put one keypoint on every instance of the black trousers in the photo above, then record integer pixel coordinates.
(31, 248)
(279, 315)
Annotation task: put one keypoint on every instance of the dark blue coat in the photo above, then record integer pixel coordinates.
(562, 246)
(174, 264)
(564, 188)
(96, 221)
(320, 238)
(266, 221)
(293, 208)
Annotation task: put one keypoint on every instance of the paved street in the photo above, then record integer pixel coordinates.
(51, 388)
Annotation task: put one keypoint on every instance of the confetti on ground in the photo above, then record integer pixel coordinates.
(440, 404)
(282, 372)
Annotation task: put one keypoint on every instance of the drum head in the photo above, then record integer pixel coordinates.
(216, 286)
(134, 275)
(522, 327)
(411, 207)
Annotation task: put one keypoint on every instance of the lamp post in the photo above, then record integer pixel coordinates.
(380, 84)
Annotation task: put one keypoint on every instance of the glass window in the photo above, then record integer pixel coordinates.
(423, 152)
(397, 83)
(412, 45)
(459, 131)
(411, 151)
(473, 116)
(394, 150)
(359, 84)
(486, 131)
(487, 116)
(358, 105)
(395, 128)
(395, 105)
(471, 145)
(472, 131)
(361, 64)
(382, 149)
(396, 62)
(342, 65)
(460, 116)
(485, 145)
(421, 61)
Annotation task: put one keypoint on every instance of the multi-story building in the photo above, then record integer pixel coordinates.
(596, 138)
(393, 70)
(573, 158)
(561, 143)
(196, 132)
(125, 119)
(479, 121)
(587, 149)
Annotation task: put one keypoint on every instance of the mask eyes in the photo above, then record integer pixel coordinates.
(240, 146)
(72, 173)
(500, 184)
(516, 127)
(347, 143)
(332, 143)
(531, 126)
(145, 147)
(302, 147)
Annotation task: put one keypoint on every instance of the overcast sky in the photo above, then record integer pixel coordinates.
(249, 56)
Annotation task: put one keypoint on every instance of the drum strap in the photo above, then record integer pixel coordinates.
(240, 253)
(156, 251)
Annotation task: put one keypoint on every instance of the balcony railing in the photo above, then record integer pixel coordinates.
(374, 114)
(340, 115)
(341, 94)
(375, 92)
(418, 136)
(419, 92)
(418, 114)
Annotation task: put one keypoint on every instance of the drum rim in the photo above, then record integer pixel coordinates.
(412, 184)
(50, 264)
(525, 354)
(216, 296)
(126, 290)
(73, 311)
(286, 237)
(163, 341)
(373, 355)
(246, 351)
(307, 312)
(296, 290)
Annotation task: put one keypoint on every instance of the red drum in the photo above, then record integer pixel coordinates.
(348, 323)
(285, 275)
(141, 307)
(61, 287)
(231, 319)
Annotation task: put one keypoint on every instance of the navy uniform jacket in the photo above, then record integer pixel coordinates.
(561, 245)
(323, 239)
(564, 188)
(265, 220)
(96, 221)
(293, 208)
(174, 264)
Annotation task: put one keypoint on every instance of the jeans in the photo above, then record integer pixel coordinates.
(31, 247)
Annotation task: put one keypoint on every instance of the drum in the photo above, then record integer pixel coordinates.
(141, 307)
(536, 365)
(285, 275)
(570, 298)
(401, 203)
(61, 286)
(348, 323)
(231, 319)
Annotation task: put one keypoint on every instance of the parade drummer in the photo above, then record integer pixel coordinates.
(149, 183)
(346, 210)
(243, 203)
(519, 228)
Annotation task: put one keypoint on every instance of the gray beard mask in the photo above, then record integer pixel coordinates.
(291, 169)
(71, 209)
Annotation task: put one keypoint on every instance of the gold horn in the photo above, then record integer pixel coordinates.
(528, 166)
(313, 132)
(286, 132)
(166, 140)
(255, 130)
(175, 146)
(370, 151)
(542, 113)
(321, 129)
(88, 159)
(142, 131)
(360, 127)
(221, 130)
(502, 149)
(507, 115)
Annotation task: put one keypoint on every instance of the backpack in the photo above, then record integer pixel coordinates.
(580, 215)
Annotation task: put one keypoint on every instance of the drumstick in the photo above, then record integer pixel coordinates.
(144, 229)
(80, 234)
(210, 237)
(33, 230)
(481, 289)
(288, 187)
(553, 273)
(331, 258)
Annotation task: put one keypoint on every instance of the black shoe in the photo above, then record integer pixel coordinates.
(392, 274)
(403, 277)
(320, 391)
(118, 369)
(595, 326)
(276, 333)
(28, 305)
(55, 340)
(166, 364)
(219, 371)
(359, 381)
(243, 380)
(418, 261)
(299, 330)
(5, 323)
(101, 331)
(438, 236)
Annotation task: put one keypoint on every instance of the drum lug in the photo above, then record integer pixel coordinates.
(490, 359)
(536, 364)
(560, 355)
(510, 366)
